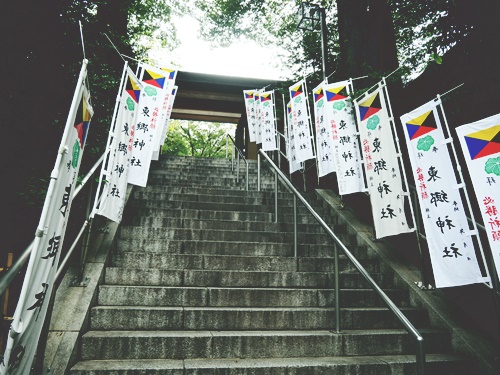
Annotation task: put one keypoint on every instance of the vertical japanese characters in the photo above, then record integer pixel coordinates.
(294, 164)
(44, 259)
(115, 169)
(268, 121)
(480, 142)
(447, 231)
(248, 95)
(301, 128)
(381, 163)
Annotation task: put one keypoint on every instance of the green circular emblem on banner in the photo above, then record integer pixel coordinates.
(493, 166)
(338, 105)
(76, 154)
(320, 103)
(373, 122)
(425, 143)
(130, 104)
(266, 104)
(298, 99)
(151, 91)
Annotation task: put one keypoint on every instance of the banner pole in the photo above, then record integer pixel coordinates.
(311, 130)
(466, 194)
(398, 151)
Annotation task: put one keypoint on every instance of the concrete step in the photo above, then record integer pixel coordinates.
(131, 259)
(211, 191)
(220, 206)
(437, 364)
(117, 295)
(234, 248)
(238, 279)
(169, 222)
(134, 209)
(108, 345)
(160, 234)
(243, 318)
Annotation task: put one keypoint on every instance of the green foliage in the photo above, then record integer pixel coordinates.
(200, 139)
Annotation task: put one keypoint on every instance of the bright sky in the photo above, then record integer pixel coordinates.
(243, 59)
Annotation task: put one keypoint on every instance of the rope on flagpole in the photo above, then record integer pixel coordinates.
(81, 36)
(453, 89)
(116, 49)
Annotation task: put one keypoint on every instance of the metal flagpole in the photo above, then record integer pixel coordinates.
(311, 130)
(461, 185)
(109, 142)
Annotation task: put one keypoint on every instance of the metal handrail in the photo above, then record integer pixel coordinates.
(11, 273)
(420, 356)
(239, 154)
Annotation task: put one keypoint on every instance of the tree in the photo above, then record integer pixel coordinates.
(202, 139)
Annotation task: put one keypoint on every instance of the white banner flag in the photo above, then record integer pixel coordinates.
(301, 128)
(381, 165)
(268, 121)
(324, 134)
(448, 237)
(480, 143)
(171, 74)
(294, 164)
(250, 108)
(44, 259)
(149, 124)
(258, 117)
(116, 166)
(344, 139)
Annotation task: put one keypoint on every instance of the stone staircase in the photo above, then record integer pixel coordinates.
(204, 282)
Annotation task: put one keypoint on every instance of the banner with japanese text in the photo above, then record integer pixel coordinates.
(480, 143)
(117, 163)
(268, 121)
(250, 109)
(258, 116)
(40, 275)
(344, 139)
(381, 165)
(324, 135)
(149, 124)
(302, 138)
(294, 164)
(167, 105)
(445, 222)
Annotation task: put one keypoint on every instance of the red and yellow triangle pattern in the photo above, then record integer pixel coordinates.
(369, 107)
(484, 142)
(421, 125)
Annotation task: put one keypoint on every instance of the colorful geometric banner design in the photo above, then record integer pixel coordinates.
(324, 135)
(258, 116)
(302, 138)
(116, 166)
(294, 164)
(163, 116)
(40, 275)
(268, 121)
(448, 236)
(344, 140)
(381, 165)
(480, 143)
(248, 95)
(151, 114)
(163, 137)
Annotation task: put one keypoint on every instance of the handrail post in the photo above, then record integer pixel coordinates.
(227, 144)
(85, 246)
(247, 178)
(295, 250)
(232, 158)
(238, 168)
(420, 357)
(337, 287)
(275, 197)
(258, 172)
